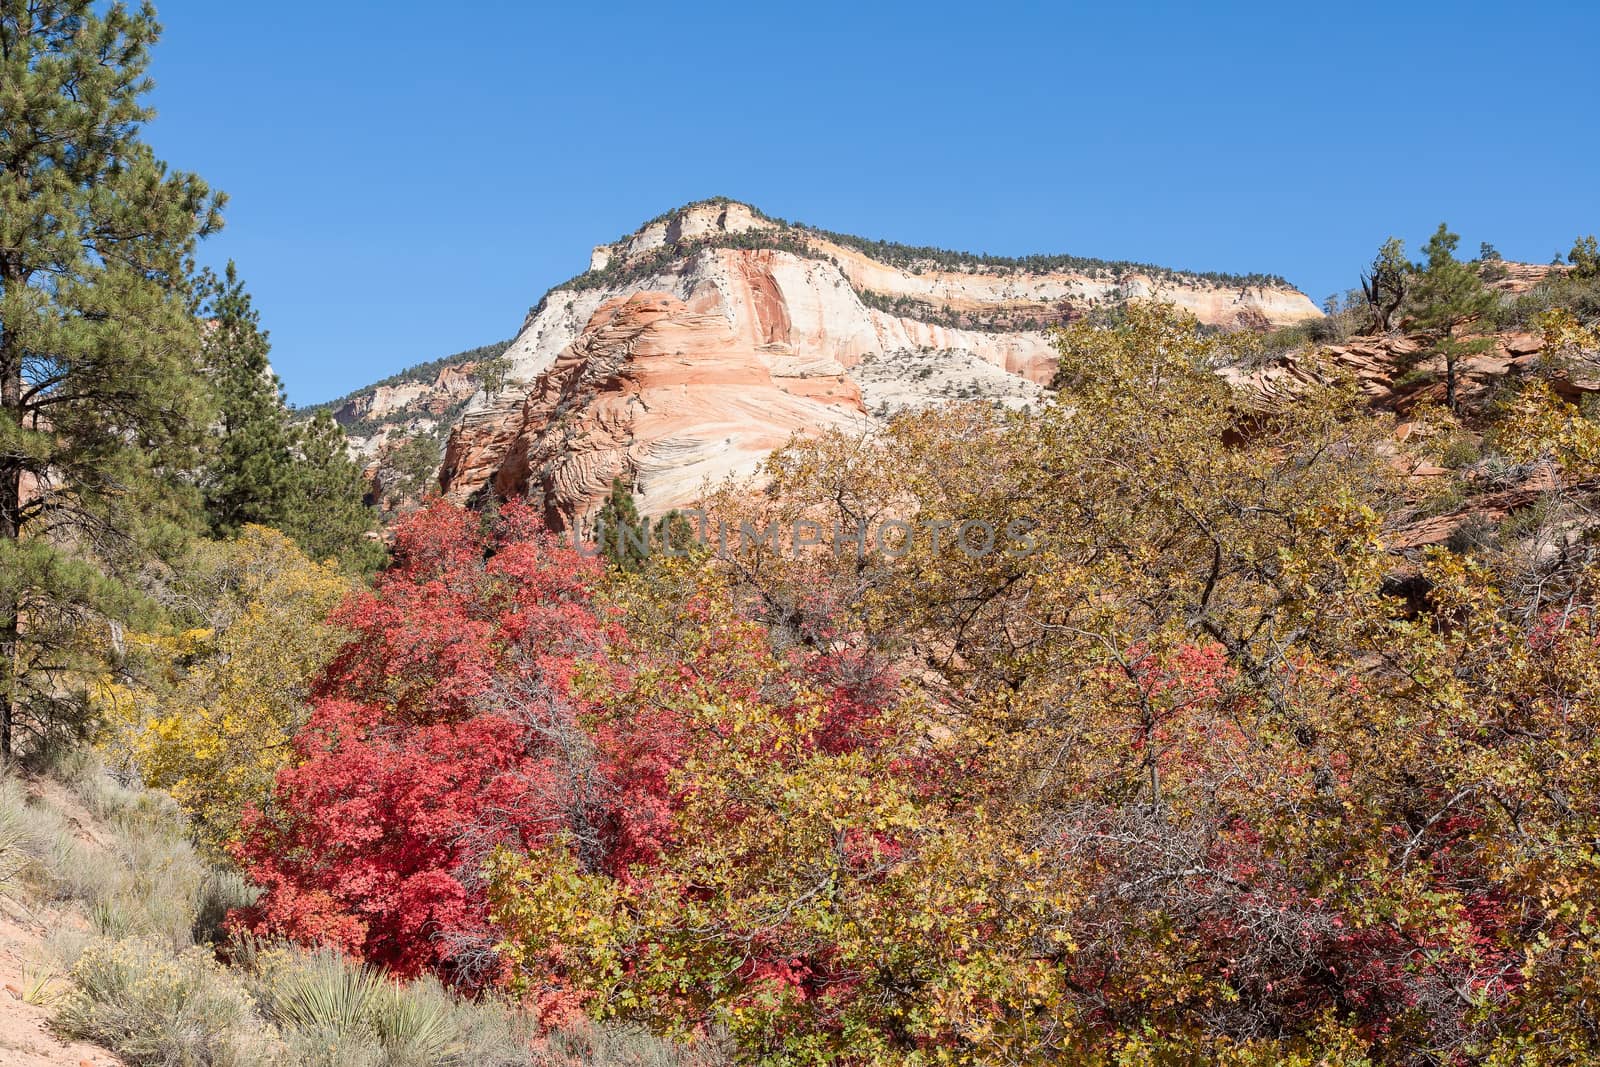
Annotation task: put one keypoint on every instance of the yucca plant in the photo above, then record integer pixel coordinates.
(417, 1024)
(43, 987)
(325, 993)
(114, 917)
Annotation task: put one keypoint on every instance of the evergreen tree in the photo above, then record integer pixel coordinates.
(1448, 293)
(1385, 282)
(267, 470)
(101, 399)
(410, 471)
(675, 535)
(326, 511)
(251, 477)
(621, 535)
(1585, 257)
(1491, 264)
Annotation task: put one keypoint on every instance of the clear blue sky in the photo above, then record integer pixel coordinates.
(407, 178)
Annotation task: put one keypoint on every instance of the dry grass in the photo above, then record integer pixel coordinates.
(140, 971)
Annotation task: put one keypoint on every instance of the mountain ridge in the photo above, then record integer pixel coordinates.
(700, 341)
(900, 254)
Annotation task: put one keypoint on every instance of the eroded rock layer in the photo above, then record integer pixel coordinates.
(700, 343)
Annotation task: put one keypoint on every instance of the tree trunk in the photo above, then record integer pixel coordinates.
(10, 529)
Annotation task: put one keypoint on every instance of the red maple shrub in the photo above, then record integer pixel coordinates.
(448, 724)
(486, 698)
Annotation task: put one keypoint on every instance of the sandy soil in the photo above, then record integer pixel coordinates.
(25, 1039)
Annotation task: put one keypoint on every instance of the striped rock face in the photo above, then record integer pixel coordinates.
(697, 345)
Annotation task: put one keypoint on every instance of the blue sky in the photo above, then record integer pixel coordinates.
(407, 178)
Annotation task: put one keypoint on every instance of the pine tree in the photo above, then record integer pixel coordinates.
(676, 535)
(326, 511)
(251, 477)
(268, 470)
(622, 537)
(409, 473)
(1448, 293)
(101, 399)
(1585, 257)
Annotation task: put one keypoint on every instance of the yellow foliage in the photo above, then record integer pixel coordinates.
(1564, 335)
(1199, 779)
(213, 711)
(1541, 425)
(967, 912)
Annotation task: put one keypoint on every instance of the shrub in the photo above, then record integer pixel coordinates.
(584, 1044)
(146, 880)
(224, 891)
(158, 1009)
(1460, 450)
(1559, 291)
(1476, 533)
(137, 875)
(1449, 496)
(14, 837)
(146, 983)
(212, 711)
(331, 1009)
(443, 728)
(416, 1024)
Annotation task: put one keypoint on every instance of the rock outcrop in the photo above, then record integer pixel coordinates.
(1518, 278)
(1397, 373)
(698, 344)
(652, 390)
(371, 417)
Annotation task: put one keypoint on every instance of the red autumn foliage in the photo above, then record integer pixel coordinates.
(435, 734)
(481, 700)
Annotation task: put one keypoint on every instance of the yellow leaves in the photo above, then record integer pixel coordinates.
(556, 917)
(1542, 425)
(1563, 334)
(1347, 748)
(1152, 348)
(216, 706)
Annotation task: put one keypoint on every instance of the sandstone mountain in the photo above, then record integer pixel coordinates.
(397, 427)
(696, 345)
(423, 399)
